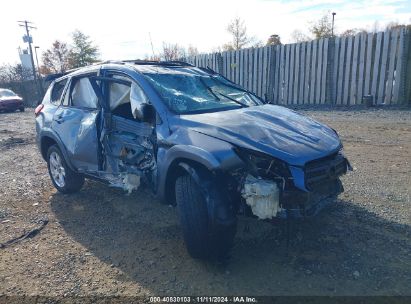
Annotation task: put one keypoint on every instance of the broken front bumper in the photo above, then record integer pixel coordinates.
(299, 204)
(304, 192)
(267, 201)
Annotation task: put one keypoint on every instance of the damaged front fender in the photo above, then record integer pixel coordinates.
(213, 154)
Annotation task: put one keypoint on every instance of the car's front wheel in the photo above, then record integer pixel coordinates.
(64, 179)
(203, 239)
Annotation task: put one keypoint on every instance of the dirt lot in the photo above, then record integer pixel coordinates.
(103, 242)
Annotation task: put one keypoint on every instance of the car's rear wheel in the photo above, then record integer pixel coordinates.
(63, 178)
(203, 239)
(22, 109)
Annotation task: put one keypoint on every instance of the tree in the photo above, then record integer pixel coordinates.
(238, 31)
(14, 73)
(274, 40)
(396, 25)
(172, 51)
(298, 36)
(322, 28)
(192, 51)
(255, 43)
(6, 75)
(3, 74)
(228, 47)
(83, 52)
(56, 59)
(19, 73)
(352, 32)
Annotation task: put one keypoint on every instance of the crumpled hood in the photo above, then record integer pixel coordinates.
(274, 130)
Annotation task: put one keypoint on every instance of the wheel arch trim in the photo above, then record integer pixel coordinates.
(48, 134)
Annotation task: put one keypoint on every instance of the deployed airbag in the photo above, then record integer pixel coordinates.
(119, 94)
(83, 94)
(137, 99)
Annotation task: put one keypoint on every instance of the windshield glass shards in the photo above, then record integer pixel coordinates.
(186, 93)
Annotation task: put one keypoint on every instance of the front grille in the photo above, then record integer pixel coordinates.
(325, 169)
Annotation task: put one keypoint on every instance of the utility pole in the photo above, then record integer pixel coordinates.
(152, 47)
(37, 60)
(332, 28)
(29, 40)
(38, 70)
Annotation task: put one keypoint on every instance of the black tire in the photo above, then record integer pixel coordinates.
(72, 180)
(203, 240)
(22, 109)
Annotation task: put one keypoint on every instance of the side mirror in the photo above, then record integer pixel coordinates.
(145, 112)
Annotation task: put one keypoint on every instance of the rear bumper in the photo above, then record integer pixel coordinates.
(11, 106)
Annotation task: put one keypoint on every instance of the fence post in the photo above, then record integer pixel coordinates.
(330, 88)
(401, 80)
(270, 73)
(407, 70)
(219, 58)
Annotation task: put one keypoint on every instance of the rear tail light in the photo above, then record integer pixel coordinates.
(38, 109)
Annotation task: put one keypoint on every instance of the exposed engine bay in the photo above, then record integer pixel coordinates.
(263, 196)
(269, 191)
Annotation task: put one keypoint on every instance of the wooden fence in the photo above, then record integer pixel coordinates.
(337, 71)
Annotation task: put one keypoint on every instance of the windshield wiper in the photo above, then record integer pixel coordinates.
(225, 96)
(234, 86)
(209, 89)
(233, 99)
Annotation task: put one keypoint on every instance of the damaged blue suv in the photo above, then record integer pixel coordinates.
(198, 140)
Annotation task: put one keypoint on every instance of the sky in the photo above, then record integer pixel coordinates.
(122, 28)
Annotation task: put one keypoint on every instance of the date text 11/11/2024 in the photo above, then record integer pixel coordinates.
(203, 299)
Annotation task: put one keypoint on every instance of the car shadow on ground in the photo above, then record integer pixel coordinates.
(345, 250)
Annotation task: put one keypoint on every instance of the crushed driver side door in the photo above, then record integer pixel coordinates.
(127, 142)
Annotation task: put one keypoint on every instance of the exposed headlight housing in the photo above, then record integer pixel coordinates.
(263, 165)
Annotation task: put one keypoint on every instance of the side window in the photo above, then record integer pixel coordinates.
(126, 97)
(82, 94)
(57, 91)
(47, 96)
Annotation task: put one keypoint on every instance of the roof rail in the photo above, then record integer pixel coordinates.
(52, 77)
(174, 63)
(111, 61)
(162, 63)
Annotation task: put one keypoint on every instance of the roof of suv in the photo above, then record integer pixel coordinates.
(139, 65)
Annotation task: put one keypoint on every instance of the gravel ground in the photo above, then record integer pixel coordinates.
(103, 242)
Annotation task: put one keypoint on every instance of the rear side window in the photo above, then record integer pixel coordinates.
(82, 94)
(57, 91)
